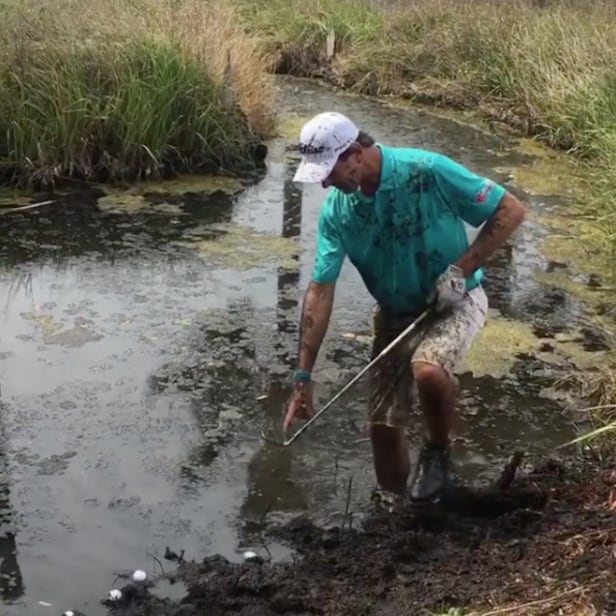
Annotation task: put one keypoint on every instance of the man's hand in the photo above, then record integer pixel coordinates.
(449, 289)
(300, 404)
(316, 310)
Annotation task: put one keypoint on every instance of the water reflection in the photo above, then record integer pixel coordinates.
(11, 582)
(288, 279)
(269, 482)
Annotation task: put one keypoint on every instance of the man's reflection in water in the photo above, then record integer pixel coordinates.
(269, 486)
(11, 582)
(288, 279)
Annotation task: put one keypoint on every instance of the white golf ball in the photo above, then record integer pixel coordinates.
(69, 613)
(139, 575)
(250, 554)
(115, 594)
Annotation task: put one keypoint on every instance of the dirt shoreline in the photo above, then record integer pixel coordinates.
(544, 545)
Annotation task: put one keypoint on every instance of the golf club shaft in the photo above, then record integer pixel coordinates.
(380, 356)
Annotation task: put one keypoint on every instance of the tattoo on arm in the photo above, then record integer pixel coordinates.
(316, 311)
(495, 232)
(306, 324)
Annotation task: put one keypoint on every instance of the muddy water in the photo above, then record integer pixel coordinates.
(143, 348)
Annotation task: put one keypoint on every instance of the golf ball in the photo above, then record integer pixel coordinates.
(69, 613)
(115, 594)
(250, 554)
(139, 575)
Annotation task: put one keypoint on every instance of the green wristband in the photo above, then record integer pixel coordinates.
(301, 375)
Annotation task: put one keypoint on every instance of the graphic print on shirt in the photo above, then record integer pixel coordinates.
(407, 234)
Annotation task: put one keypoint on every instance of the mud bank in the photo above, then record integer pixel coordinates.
(545, 544)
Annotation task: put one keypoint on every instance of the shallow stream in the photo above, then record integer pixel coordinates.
(146, 340)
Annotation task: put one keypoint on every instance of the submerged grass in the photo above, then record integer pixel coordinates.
(127, 89)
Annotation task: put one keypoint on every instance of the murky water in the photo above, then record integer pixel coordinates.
(137, 347)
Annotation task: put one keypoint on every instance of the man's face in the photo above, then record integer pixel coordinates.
(347, 172)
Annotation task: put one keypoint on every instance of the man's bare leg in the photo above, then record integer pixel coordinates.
(391, 457)
(437, 396)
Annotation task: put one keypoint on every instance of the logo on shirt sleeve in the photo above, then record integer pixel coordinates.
(482, 197)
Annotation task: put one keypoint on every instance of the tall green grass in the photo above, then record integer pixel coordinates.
(549, 70)
(121, 90)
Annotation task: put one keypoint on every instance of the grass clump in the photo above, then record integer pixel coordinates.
(126, 89)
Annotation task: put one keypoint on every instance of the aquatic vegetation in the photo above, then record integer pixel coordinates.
(127, 90)
(241, 247)
(137, 198)
(495, 349)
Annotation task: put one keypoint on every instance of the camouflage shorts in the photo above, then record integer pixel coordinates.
(442, 340)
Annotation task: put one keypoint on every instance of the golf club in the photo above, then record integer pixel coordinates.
(380, 356)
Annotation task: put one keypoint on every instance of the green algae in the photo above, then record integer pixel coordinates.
(13, 198)
(241, 247)
(547, 173)
(290, 127)
(133, 203)
(136, 198)
(195, 184)
(499, 345)
(494, 350)
(53, 332)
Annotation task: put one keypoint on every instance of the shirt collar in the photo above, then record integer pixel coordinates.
(388, 169)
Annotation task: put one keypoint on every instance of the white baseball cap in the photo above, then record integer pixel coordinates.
(321, 141)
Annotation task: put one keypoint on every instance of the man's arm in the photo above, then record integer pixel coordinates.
(316, 312)
(508, 215)
(319, 296)
(478, 201)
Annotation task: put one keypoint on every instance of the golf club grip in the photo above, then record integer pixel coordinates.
(361, 373)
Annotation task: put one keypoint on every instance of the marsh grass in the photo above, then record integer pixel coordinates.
(551, 69)
(127, 89)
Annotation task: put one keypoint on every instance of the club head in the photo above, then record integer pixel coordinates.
(274, 441)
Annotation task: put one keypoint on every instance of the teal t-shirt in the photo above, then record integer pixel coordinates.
(408, 233)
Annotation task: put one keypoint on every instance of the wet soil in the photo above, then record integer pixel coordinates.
(544, 544)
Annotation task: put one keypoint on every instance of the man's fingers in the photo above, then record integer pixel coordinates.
(288, 419)
(302, 412)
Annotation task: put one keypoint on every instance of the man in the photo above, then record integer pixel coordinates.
(397, 214)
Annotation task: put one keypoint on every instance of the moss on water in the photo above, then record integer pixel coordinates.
(196, 184)
(241, 247)
(53, 332)
(575, 239)
(497, 347)
(290, 127)
(135, 198)
(579, 356)
(548, 173)
(592, 297)
(494, 350)
(11, 198)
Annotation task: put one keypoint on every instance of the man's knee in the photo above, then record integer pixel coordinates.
(429, 376)
(385, 433)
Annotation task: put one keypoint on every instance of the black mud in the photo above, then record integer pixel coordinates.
(544, 543)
